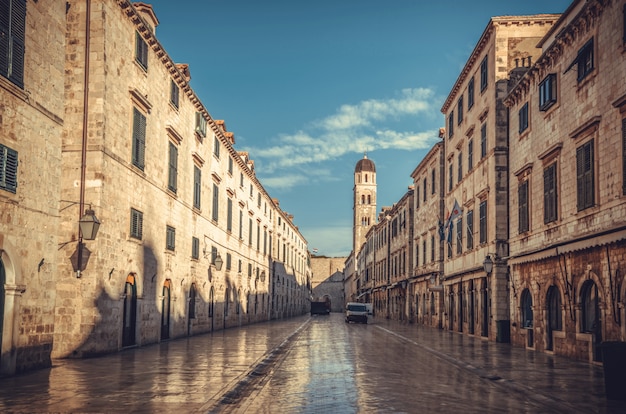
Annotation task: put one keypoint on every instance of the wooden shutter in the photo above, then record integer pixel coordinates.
(139, 138)
(173, 167)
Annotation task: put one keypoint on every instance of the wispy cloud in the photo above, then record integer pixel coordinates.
(367, 126)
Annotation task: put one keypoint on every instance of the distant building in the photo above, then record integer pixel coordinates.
(327, 281)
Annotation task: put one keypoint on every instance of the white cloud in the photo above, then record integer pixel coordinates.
(367, 126)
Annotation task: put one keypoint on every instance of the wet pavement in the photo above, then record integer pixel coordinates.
(315, 365)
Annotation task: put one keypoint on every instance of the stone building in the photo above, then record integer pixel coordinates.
(476, 186)
(328, 280)
(189, 239)
(568, 186)
(31, 127)
(425, 287)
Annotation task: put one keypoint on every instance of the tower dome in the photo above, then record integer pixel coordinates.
(365, 164)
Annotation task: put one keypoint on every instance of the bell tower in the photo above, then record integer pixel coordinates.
(364, 208)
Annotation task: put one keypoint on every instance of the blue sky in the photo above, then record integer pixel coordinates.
(308, 86)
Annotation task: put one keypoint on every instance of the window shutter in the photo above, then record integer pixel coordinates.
(173, 165)
(18, 23)
(139, 138)
(8, 169)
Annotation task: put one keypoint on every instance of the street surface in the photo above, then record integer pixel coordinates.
(315, 364)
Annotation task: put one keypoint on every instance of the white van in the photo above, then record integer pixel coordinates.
(356, 312)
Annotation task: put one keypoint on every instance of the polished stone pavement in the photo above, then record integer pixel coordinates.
(252, 369)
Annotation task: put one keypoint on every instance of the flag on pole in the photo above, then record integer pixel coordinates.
(454, 213)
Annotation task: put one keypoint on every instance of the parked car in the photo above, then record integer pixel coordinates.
(356, 312)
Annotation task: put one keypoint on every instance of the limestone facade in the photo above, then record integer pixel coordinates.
(31, 123)
(189, 242)
(568, 186)
(426, 291)
(327, 281)
(476, 186)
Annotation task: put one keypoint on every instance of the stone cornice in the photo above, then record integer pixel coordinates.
(580, 26)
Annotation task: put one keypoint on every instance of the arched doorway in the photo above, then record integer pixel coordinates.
(527, 317)
(192, 307)
(471, 307)
(591, 318)
(211, 307)
(484, 305)
(130, 312)
(451, 311)
(554, 317)
(226, 305)
(165, 309)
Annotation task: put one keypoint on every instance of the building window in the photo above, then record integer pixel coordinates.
(417, 198)
(249, 232)
(8, 169)
(172, 168)
(239, 266)
(12, 33)
(432, 248)
(459, 236)
(460, 167)
(258, 202)
(483, 74)
(590, 307)
(523, 118)
(450, 175)
(240, 224)
(216, 203)
(174, 93)
(459, 110)
(432, 181)
(470, 94)
(229, 261)
(425, 192)
(483, 141)
(139, 139)
(424, 250)
(470, 155)
(522, 208)
(141, 51)
(170, 238)
(216, 147)
(549, 194)
(197, 187)
(584, 176)
(258, 237)
(195, 248)
(547, 92)
(451, 125)
(584, 60)
(136, 224)
(200, 125)
(241, 180)
(483, 222)
(251, 190)
(470, 229)
(229, 215)
(230, 165)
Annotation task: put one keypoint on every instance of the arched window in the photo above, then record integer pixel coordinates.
(165, 309)
(527, 311)
(369, 199)
(365, 177)
(192, 301)
(555, 317)
(589, 306)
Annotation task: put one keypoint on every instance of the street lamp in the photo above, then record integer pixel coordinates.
(488, 264)
(218, 262)
(89, 225)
